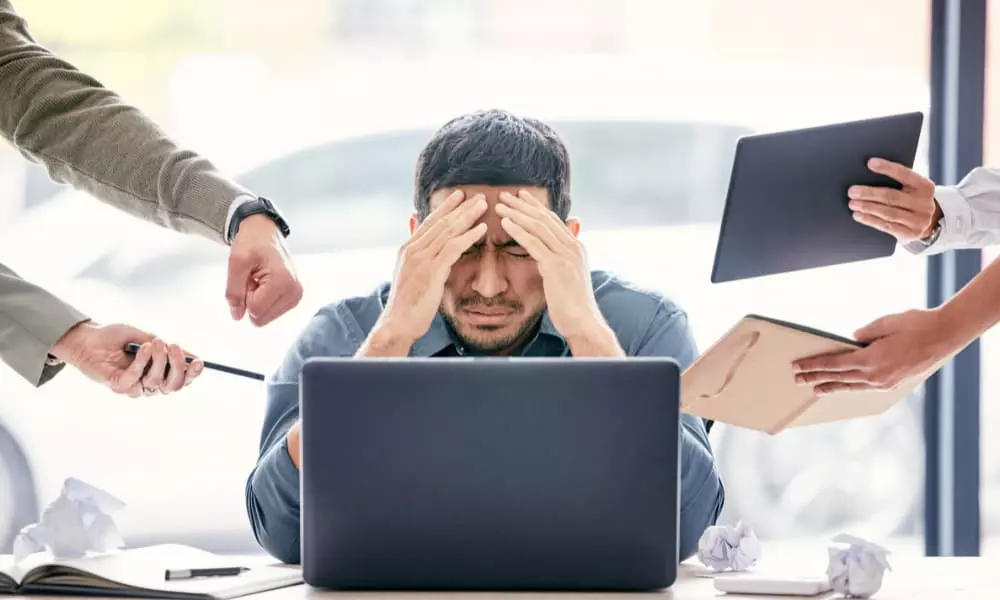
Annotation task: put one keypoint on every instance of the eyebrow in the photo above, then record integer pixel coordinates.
(501, 245)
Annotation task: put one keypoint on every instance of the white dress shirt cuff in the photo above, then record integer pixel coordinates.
(239, 201)
(956, 222)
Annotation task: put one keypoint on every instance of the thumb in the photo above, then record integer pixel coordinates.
(876, 329)
(124, 334)
(241, 267)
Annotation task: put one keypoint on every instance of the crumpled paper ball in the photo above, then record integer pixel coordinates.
(856, 566)
(77, 522)
(725, 547)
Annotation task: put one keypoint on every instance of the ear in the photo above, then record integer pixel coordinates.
(574, 226)
(414, 222)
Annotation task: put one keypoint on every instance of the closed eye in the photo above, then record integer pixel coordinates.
(512, 248)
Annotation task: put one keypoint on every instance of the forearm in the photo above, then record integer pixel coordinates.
(384, 341)
(974, 309)
(88, 137)
(598, 340)
(702, 493)
(272, 499)
(32, 321)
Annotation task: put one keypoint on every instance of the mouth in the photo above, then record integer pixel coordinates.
(487, 316)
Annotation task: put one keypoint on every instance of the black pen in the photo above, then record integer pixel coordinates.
(133, 348)
(171, 574)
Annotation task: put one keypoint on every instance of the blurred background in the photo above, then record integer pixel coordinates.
(323, 105)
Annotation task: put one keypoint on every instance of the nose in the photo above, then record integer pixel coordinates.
(490, 280)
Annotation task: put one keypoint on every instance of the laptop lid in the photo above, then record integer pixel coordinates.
(786, 209)
(493, 474)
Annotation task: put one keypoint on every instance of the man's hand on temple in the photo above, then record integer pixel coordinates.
(909, 214)
(562, 262)
(422, 269)
(262, 281)
(98, 351)
(899, 346)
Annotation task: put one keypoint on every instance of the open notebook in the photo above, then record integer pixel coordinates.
(747, 379)
(139, 572)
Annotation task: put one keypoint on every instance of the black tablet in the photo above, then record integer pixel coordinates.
(786, 209)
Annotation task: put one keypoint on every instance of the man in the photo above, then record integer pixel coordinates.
(492, 267)
(926, 219)
(88, 137)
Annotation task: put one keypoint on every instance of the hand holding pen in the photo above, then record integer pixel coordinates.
(191, 363)
(96, 350)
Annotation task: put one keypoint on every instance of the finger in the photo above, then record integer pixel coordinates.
(881, 195)
(130, 377)
(455, 225)
(539, 251)
(285, 303)
(836, 361)
(193, 371)
(903, 175)
(261, 301)
(896, 230)
(178, 369)
(841, 386)
(454, 249)
(452, 202)
(240, 271)
(552, 233)
(876, 329)
(823, 377)
(892, 214)
(154, 378)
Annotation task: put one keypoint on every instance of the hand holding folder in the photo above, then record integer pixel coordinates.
(747, 379)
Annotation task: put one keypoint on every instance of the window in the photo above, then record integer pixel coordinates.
(327, 118)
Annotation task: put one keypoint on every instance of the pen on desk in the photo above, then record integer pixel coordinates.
(172, 574)
(133, 348)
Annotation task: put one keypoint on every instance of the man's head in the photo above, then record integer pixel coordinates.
(493, 298)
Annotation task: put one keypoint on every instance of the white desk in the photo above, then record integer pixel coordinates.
(910, 579)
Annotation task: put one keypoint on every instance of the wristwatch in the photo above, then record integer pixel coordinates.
(932, 236)
(258, 206)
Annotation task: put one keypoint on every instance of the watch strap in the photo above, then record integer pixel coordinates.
(257, 206)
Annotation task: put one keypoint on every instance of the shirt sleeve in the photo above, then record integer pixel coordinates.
(272, 488)
(702, 493)
(970, 213)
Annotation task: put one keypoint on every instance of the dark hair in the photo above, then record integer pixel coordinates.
(494, 147)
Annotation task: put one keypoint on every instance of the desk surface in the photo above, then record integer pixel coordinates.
(910, 579)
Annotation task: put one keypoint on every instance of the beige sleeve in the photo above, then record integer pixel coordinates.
(88, 137)
(31, 321)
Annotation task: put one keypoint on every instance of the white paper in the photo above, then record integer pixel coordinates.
(76, 523)
(856, 566)
(729, 548)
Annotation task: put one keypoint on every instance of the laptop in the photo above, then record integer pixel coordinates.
(786, 209)
(490, 473)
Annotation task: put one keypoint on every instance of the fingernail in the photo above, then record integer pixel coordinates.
(854, 192)
(853, 205)
(857, 217)
(874, 163)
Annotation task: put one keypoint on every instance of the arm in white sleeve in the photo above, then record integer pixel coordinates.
(970, 213)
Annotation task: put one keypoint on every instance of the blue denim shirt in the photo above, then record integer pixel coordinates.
(645, 323)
